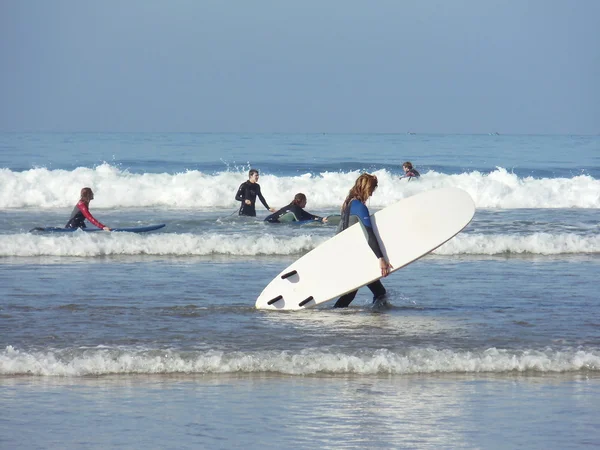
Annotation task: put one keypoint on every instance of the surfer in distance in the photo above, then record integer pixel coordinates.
(81, 212)
(409, 171)
(353, 211)
(247, 193)
(296, 207)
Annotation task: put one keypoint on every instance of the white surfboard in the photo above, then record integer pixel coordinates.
(407, 230)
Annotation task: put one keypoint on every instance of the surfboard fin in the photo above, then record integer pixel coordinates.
(274, 300)
(289, 274)
(305, 301)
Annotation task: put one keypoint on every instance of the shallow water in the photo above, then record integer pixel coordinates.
(106, 340)
(276, 411)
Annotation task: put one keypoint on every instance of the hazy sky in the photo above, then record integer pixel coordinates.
(446, 66)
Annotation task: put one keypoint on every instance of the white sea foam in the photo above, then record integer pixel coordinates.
(83, 244)
(116, 188)
(104, 361)
(535, 244)
(184, 244)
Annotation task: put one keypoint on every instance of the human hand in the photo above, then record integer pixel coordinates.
(106, 229)
(272, 209)
(385, 267)
(324, 220)
(247, 202)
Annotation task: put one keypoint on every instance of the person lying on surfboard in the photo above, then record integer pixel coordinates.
(296, 207)
(409, 171)
(353, 211)
(247, 193)
(82, 212)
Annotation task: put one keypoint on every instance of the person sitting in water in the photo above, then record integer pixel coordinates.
(82, 212)
(409, 171)
(297, 209)
(247, 193)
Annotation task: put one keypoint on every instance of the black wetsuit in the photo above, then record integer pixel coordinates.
(298, 212)
(356, 212)
(249, 191)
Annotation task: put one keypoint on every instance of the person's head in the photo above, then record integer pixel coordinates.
(407, 166)
(253, 175)
(363, 188)
(86, 194)
(300, 200)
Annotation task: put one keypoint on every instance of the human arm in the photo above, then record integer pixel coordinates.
(88, 215)
(384, 266)
(359, 209)
(301, 214)
(374, 242)
(240, 196)
(262, 199)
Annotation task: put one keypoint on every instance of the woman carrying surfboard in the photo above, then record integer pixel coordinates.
(82, 212)
(355, 210)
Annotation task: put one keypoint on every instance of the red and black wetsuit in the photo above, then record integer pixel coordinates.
(249, 191)
(412, 173)
(78, 216)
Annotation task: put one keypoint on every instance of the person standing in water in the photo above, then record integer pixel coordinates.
(354, 211)
(297, 209)
(409, 171)
(82, 212)
(247, 193)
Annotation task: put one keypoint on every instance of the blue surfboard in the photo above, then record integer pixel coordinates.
(91, 230)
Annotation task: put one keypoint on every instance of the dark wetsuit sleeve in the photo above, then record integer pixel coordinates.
(303, 215)
(241, 193)
(260, 196)
(88, 215)
(374, 243)
(358, 209)
(274, 218)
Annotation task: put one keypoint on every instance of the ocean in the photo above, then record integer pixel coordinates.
(120, 340)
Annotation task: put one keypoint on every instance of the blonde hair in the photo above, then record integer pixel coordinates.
(363, 188)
